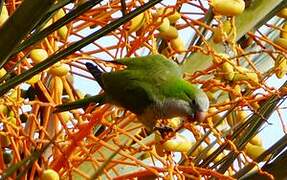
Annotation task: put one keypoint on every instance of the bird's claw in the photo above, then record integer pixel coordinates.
(164, 130)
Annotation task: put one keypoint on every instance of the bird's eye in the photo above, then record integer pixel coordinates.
(193, 103)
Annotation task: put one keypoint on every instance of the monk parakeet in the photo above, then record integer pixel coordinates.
(152, 87)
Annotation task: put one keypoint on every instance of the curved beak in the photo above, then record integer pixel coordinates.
(200, 116)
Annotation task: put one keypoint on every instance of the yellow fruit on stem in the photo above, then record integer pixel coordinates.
(253, 151)
(63, 31)
(237, 90)
(228, 7)
(255, 105)
(245, 74)
(136, 23)
(65, 116)
(173, 15)
(12, 120)
(178, 143)
(241, 116)
(175, 122)
(170, 34)
(256, 140)
(50, 174)
(165, 25)
(38, 55)
(218, 35)
(280, 66)
(3, 109)
(34, 79)
(218, 158)
(283, 13)
(221, 33)
(2, 72)
(281, 42)
(60, 13)
(283, 34)
(177, 45)
(59, 70)
(4, 15)
(228, 70)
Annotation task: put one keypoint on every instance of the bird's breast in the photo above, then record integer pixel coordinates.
(163, 110)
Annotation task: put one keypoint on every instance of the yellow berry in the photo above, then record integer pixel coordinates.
(59, 70)
(228, 71)
(12, 120)
(237, 90)
(171, 33)
(177, 45)
(3, 15)
(136, 23)
(228, 7)
(65, 116)
(218, 158)
(4, 109)
(63, 31)
(50, 174)
(223, 32)
(59, 14)
(38, 55)
(280, 66)
(165, 25)
(283, 34)
(283, 13)
(173, 15)
(241, 116)
(253, 151)
(281, 42)
(178, 143)
(245, 74)
(2, 72)
(255, 105)
(256, 140)
(34, 79)
(175, 122)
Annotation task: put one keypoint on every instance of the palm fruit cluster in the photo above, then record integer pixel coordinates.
(281, 61)
(165, 19)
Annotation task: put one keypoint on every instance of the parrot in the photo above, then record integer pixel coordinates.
(152, 87)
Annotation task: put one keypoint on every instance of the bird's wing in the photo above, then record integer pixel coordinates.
(128, 89)
(151, 64)
(98, 99)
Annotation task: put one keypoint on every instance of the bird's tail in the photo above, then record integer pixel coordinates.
(98, 99)
(96, 72)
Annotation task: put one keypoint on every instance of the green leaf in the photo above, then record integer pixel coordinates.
(36, 37)
(20, 24)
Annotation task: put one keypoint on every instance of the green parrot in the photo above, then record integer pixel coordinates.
(152, 87)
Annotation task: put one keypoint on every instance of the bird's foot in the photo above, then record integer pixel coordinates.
(164, 130)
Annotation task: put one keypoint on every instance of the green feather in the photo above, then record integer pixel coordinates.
(98, 99)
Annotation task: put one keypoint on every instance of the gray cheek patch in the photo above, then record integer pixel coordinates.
(202, 102)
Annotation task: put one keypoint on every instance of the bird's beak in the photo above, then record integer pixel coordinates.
(200, 116)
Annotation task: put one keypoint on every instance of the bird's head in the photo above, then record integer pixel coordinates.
(198, 103)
